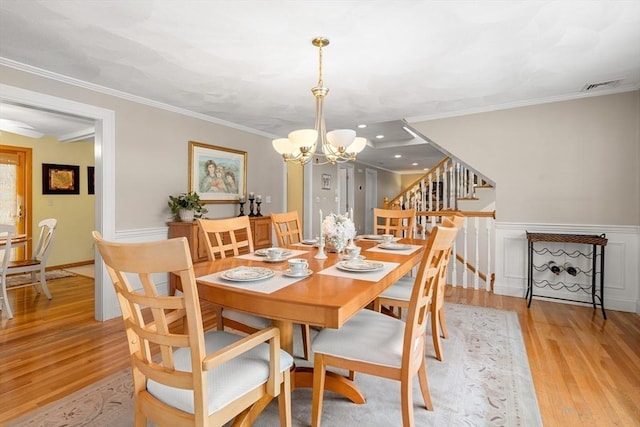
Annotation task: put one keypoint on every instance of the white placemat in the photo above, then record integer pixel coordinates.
(395, 251)
(267, 286)
(253, 257)
(372, 276)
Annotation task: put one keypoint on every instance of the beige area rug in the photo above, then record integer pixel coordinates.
(485, 380)
(83, 270)
(25, 279)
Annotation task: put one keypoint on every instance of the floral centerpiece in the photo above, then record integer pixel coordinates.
(337, 230)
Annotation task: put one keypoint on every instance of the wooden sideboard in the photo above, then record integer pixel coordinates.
(260, 230)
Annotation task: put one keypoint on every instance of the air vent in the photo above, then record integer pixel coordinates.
(601, 85)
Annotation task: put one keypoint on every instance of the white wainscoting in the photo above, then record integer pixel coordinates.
(110, 302)
(622, 262)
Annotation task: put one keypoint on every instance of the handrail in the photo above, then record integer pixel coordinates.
(391, 202)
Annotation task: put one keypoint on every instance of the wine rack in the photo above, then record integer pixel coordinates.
(592, 276)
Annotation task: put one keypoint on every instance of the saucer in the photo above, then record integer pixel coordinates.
(275, 259)
(305, 273)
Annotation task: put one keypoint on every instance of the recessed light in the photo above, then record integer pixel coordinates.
(397, 156)
(379, 136)
(362, 126)
(414, 164)
(425, 169)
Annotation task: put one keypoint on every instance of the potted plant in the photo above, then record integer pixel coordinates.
(186, 206)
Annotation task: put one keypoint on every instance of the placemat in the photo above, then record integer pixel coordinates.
(372, 276)
(254, 257)
(395, 251)
(266, 286)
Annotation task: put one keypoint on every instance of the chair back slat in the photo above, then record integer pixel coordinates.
(226, 235)
(287, 227)
(398, 222)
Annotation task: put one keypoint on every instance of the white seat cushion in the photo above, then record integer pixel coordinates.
(400, 290)
(226, 382)
(368, 336)
(255, 322)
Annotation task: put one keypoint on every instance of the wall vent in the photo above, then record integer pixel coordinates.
(600, 85)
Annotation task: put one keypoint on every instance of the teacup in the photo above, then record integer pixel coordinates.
(353, 252)
(298, 265)
(387, 238)
(274, 253)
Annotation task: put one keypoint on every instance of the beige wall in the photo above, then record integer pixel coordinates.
(570, 162)
(152, 153)
(75, 213)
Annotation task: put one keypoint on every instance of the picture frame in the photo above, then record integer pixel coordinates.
(91, 180)
(217, 174)
(60, 179)
(326, 181)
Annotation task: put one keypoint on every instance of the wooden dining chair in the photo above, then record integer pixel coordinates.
(399, 295)
(288, 232)
(381, 345)
(227, 237)
(7, 232)
(398, 222)
(183, 376)
(288, 228)
(36, 265)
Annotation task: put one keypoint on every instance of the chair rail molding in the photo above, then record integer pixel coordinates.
(622, 270)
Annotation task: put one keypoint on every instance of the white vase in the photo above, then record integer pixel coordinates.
(186, 215)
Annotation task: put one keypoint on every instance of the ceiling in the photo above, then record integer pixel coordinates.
(251, 63)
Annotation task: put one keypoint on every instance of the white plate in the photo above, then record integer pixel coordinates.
(359, 266)
(284, 258)
(305, 273)
(372, 237)
(247, 274)
(394, 246)
(263, 252)
(309, 241)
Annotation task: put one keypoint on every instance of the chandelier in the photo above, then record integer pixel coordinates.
(337, 146)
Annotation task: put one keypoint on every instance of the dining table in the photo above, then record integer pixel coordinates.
(326, 297)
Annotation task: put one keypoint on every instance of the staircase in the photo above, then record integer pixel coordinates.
(453, 187)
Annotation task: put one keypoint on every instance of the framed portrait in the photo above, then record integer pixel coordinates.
(60, 179)
(217, 174)
(326, 181)
(91, 180)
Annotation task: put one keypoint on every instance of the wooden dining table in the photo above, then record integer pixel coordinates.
(322, 300)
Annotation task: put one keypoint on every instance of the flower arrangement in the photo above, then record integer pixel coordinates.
(337, 230)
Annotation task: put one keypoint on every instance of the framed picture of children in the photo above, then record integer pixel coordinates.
(217, 174)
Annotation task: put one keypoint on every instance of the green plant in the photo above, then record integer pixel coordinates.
(190, 201)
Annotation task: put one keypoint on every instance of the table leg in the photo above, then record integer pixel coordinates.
(303, 377)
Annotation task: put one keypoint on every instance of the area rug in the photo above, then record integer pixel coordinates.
(25, 279)
(485, 380)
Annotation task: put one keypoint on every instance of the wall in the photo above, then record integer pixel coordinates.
(75, 213)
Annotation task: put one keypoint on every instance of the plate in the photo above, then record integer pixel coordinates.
(372, 237)
(247, 274)
(305, 273)
(359, 266)
(263, 252)
(284, 258)
(394, 246)
(309, 241)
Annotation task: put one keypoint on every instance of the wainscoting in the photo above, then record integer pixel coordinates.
(622, 262)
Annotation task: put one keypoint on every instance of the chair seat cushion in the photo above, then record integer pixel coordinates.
(400, 290)
(226, 382)
(256, 322)
(368, 336)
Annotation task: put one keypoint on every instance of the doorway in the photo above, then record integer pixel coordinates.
(15, 193)
(370, 198)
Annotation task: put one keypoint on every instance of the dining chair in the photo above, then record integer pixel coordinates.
(381, 345)
(399, 294)
(38, 261)
(288, 232)
(288, 228)
(7, 232)
(228, 236)
(398, 222)
(183, 376)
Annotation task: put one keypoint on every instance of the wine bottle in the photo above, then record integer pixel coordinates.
(570, 269)
(555, 268)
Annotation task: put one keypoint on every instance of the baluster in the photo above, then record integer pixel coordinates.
(465, 254)
(476, 278)
(488, 222)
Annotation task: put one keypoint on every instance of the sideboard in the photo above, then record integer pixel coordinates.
(260, 230)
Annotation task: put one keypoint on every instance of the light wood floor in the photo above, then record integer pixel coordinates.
(586, 370)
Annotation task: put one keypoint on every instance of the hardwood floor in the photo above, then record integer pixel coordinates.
(586, 370)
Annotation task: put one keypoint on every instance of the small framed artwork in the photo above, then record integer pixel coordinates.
(60, 179)
(91, 180)
(326, 181)
(217, 174)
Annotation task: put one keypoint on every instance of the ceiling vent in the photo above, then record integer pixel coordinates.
(590, 87)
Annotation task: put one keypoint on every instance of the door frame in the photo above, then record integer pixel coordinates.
(370, 198)
(104, 152)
